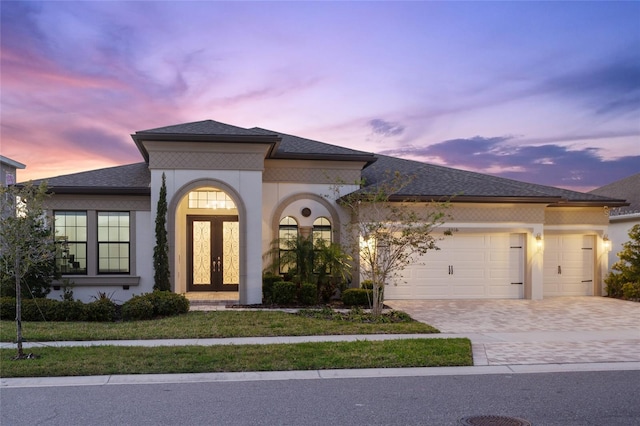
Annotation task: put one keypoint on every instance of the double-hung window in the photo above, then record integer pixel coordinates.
(113, 243)
(287, 237)
(70, 229)
(322, 230)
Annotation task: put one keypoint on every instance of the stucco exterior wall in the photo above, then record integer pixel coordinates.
(576, 216)
(619, 228)
(119, 287)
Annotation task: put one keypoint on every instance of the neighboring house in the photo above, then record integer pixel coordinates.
(8, 169)
(231, 191)
(621, 219)
(8, 172)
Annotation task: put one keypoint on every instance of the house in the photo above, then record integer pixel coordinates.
(8, 169)
(231, 191)
(621, 219)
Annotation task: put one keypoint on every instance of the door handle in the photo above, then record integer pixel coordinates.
(559, 270)
(216, 265)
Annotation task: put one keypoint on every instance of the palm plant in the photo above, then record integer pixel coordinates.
(306, 261)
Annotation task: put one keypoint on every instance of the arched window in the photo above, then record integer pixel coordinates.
(287, 235)
(322, 230)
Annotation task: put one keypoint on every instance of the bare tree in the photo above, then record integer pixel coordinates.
(388, 230)
(21, 245)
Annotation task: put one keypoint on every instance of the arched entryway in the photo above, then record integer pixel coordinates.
(208, 244)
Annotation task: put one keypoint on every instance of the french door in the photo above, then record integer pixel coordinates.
(213, 256)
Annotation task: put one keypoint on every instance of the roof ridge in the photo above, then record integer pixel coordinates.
(281, 134)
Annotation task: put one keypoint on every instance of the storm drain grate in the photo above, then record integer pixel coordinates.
(493, 421)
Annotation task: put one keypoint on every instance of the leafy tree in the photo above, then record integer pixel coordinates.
(161, 250)
(37, 281)
(26, 241)
(624, 279)
(387, 230)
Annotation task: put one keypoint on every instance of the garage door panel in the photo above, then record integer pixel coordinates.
(568, 265)
(469, 291)
(504, 292)
(499, 274)
(467, 266)
(498, 256)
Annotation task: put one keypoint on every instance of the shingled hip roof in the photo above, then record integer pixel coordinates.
(429, 181)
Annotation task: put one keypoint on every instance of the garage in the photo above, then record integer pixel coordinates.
(468, 266)
(568, 265)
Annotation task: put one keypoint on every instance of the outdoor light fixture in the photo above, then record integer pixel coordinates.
(607, 242)
(539, 240)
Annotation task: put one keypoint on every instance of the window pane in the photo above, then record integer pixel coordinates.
(113, 242)
(71, 236)
(103, 220)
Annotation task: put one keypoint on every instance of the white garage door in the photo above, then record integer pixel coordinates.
(468, 266)
(568, 265)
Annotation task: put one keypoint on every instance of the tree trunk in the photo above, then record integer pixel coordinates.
(18, 309)
(378, 299)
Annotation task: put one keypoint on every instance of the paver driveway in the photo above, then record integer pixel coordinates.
(549, 331)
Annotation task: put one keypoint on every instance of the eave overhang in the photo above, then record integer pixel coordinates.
(368, 159)
(140, 137)
(98, 190)
(549, 201)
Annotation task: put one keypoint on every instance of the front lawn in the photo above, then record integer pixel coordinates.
(209, 324)
(104, 360)
(101, 360)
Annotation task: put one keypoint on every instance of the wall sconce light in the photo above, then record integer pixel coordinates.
(539, 240)
(606, 242)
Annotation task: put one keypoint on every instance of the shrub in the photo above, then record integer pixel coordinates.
(73, 310)
(267, 286)
(167, 303)
(627, 269)
(7, 308)
(283, 292)
(101, 309)
(156, 304)
(53, 310)
(137, 308)
(631, 291)
(614, 286)
(308, 294)
(367, 284)
(357, 297)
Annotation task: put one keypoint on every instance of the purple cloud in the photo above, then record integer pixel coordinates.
(382, 127)
(610, 88)
(548, 164)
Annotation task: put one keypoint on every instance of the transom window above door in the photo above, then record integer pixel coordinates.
(210, 199)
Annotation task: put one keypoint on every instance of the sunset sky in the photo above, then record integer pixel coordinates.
(544, 92)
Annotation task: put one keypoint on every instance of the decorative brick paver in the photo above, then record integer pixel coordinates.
(562, 352)
(549, 331)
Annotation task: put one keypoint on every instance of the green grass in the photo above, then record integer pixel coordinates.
(96, 360)
(207, 324)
